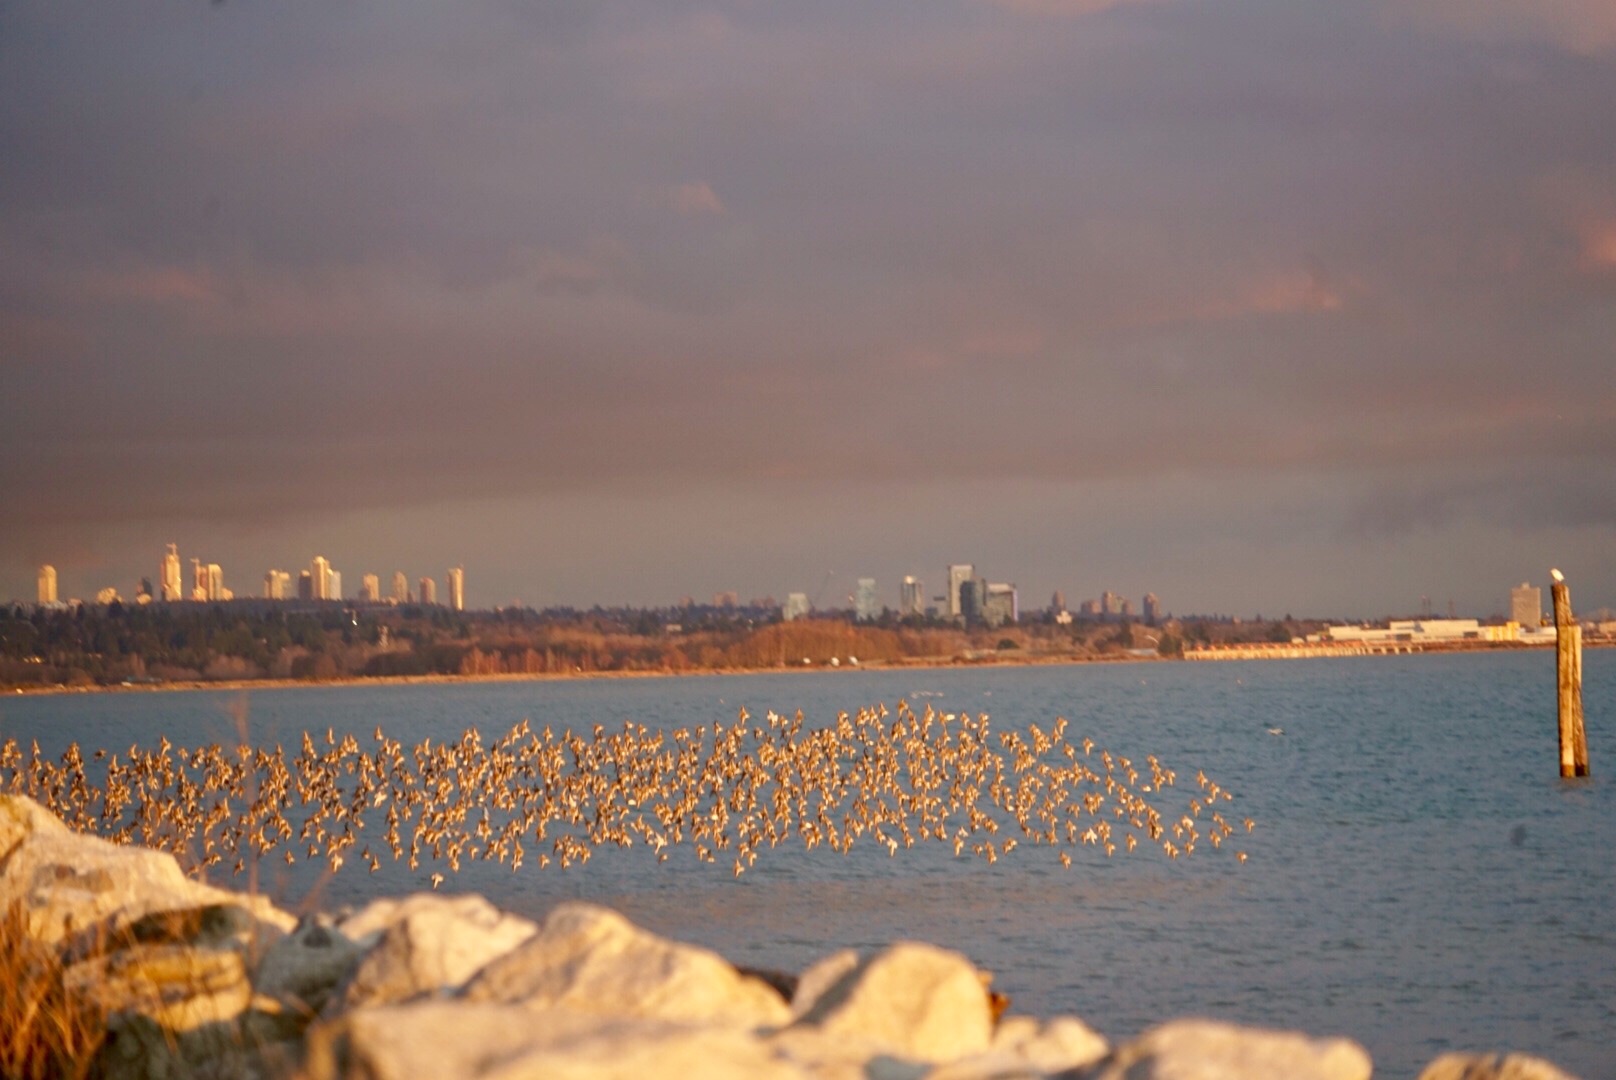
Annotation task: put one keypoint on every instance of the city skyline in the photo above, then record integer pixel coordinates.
(1260, 307)
(978, 600)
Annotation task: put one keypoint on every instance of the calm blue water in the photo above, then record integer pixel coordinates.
(1420, 878)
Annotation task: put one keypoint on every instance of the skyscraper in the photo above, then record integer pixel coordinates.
(1112, 605)
(958, 575)
(169, 575)
(401, 587)
(215, 582)
(429, 591)
(865, 607)
(456, 581)
(1526, 604)
(1152, 608)
(320, 577)
(796, 607)
(47, 584)
(370, 589)
(911, 596)
(973, 595)
(334, 585)
(305, 585)
(275, 584)
(1000, 604)
(199, 581)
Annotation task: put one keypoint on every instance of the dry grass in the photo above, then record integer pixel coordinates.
(45, 1032)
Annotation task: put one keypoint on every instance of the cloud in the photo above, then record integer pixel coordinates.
(1599, 245)
(1289, 293)
(692, 200)
(1586, 27)
(159, 285)
(1063, 8)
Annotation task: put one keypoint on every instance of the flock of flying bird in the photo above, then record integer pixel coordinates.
(893, 778)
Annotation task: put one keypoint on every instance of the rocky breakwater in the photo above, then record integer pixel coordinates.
(181, 979)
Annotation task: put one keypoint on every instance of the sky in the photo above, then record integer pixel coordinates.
(1265, 306)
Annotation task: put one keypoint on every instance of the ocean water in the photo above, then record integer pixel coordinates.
(1420, 878)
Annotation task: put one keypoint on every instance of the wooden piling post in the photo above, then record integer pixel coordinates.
(1568, 650)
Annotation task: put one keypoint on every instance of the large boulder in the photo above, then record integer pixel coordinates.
(1194, 1049)
(916, 1001)
(1492, 1067)
(69, 883)
(303, 968)
(820, 976)
(461, 1040)
(422, 943)
(591, 959)
(1045, 1046)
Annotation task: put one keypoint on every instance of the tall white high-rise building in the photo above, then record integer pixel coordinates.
(320, 577)
(911, 596)
(958, 575)
(370, 589)
(865, 606)
(796, 607)
(1526, 604)
(47, 584)
(334, 585)
(401, 587)
(277, 584)
(215, 582)
(429, 591)
(173, 586)
(455, 579)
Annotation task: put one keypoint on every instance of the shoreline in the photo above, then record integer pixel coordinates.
(917, 664)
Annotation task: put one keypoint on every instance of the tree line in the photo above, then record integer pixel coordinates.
(246, 640)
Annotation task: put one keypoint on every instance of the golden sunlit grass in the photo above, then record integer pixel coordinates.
(46, 1032)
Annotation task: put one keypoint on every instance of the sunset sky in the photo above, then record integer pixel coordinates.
(1265, 306)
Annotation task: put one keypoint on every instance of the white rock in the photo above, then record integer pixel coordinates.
(1042, 1046)
(68, 882)
(591, 959)
(425, 942)
(460, 1040)
(821, 976)
(1194, 1049)
(178, 987)
(917, 1001)
(307, 965)
(1492, 1067)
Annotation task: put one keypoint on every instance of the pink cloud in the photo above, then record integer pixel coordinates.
(1292, 292)
(1005, 344)
(158, 285)
(1599, 245)
(695, 199)
(1580, 26)
(1061, 8)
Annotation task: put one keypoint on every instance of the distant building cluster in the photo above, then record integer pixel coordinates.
(1526, 605)
(321, 581)
(970, 599)
(1432, 632)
